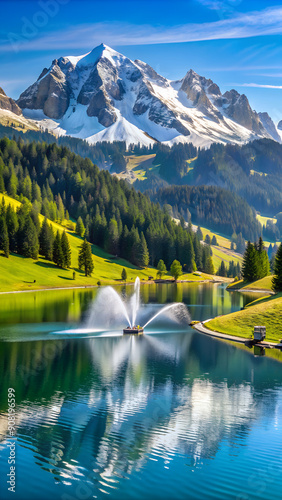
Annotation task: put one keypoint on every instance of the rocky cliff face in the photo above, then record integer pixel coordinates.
(8, 103)
(237, 107)
(104, 95)
(269, 125)
(51, 92)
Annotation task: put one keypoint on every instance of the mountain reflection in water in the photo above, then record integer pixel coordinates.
(143, 416)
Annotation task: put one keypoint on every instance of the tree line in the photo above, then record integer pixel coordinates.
(61, 185)
(22, 233)
(255, 262)
(214, 206)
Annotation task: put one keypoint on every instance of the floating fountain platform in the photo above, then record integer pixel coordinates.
(136, 330)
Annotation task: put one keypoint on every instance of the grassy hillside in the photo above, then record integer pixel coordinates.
(267, 312)
(227, 256)
(222, 251)
(263, 220)
(137, 166)
(9, 119)
(262, 284)
(18, 273)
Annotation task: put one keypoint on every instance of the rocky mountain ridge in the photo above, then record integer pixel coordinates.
(8, 104)
(103, 95)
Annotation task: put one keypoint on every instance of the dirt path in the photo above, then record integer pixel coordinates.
(200, 327)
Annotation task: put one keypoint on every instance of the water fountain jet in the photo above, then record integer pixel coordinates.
(110, 308)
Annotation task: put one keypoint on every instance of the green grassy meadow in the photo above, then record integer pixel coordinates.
(266, 311)
(17, 273)
(262, 284)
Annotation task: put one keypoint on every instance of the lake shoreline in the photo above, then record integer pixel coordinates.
(224, 336)
(251, 290)
(83, 287)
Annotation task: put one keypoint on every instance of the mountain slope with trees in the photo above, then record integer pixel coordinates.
(216, 207)
(123, 222)
(22, 273)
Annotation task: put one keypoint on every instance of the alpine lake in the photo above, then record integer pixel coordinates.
(170, 414)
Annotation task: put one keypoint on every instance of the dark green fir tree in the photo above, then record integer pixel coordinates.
(66, 249)
(4, 237)
(277, 278)
(85, 260)
(30, 243)
(58, 256)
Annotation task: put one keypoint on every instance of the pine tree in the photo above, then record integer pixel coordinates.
(12, 226)
(27, 187)
(176, 269)
(161, 268)
(143, 252)
(85, 260)
(240, 244)
(66, 249)
(112, 238)
(3, 207)
(262, 260)
(214, 241)
(4, 237)
(2, 185)
(191, 264)
(222, 270)
(13, 183)
(124, 274)
(46, 239)
(199, 234)
(30, 243)
(80, 229)
(249, 267)
(209, 266)
(36, 192)
(198, 253)
(277, 278)
(61, 209)
(134, 242)
(58, 256)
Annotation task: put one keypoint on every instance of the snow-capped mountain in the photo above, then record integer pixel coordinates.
(104, 96)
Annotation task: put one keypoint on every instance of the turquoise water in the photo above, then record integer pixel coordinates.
(169, 415)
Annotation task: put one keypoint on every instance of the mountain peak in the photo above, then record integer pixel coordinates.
(191, 72)
(103, 95)
(92, 57)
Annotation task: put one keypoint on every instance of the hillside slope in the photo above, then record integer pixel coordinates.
(19, 273)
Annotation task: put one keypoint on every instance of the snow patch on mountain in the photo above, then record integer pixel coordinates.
(103, 95)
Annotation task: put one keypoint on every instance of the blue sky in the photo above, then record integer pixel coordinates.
(237, 43)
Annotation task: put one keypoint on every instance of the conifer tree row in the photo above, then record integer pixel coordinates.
(255, 263)
(277, 278)
(232, 271)
(21, 233)
(109, 213)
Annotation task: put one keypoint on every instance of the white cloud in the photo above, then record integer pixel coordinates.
(241, 25)
(258, 85)
(220, 4)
